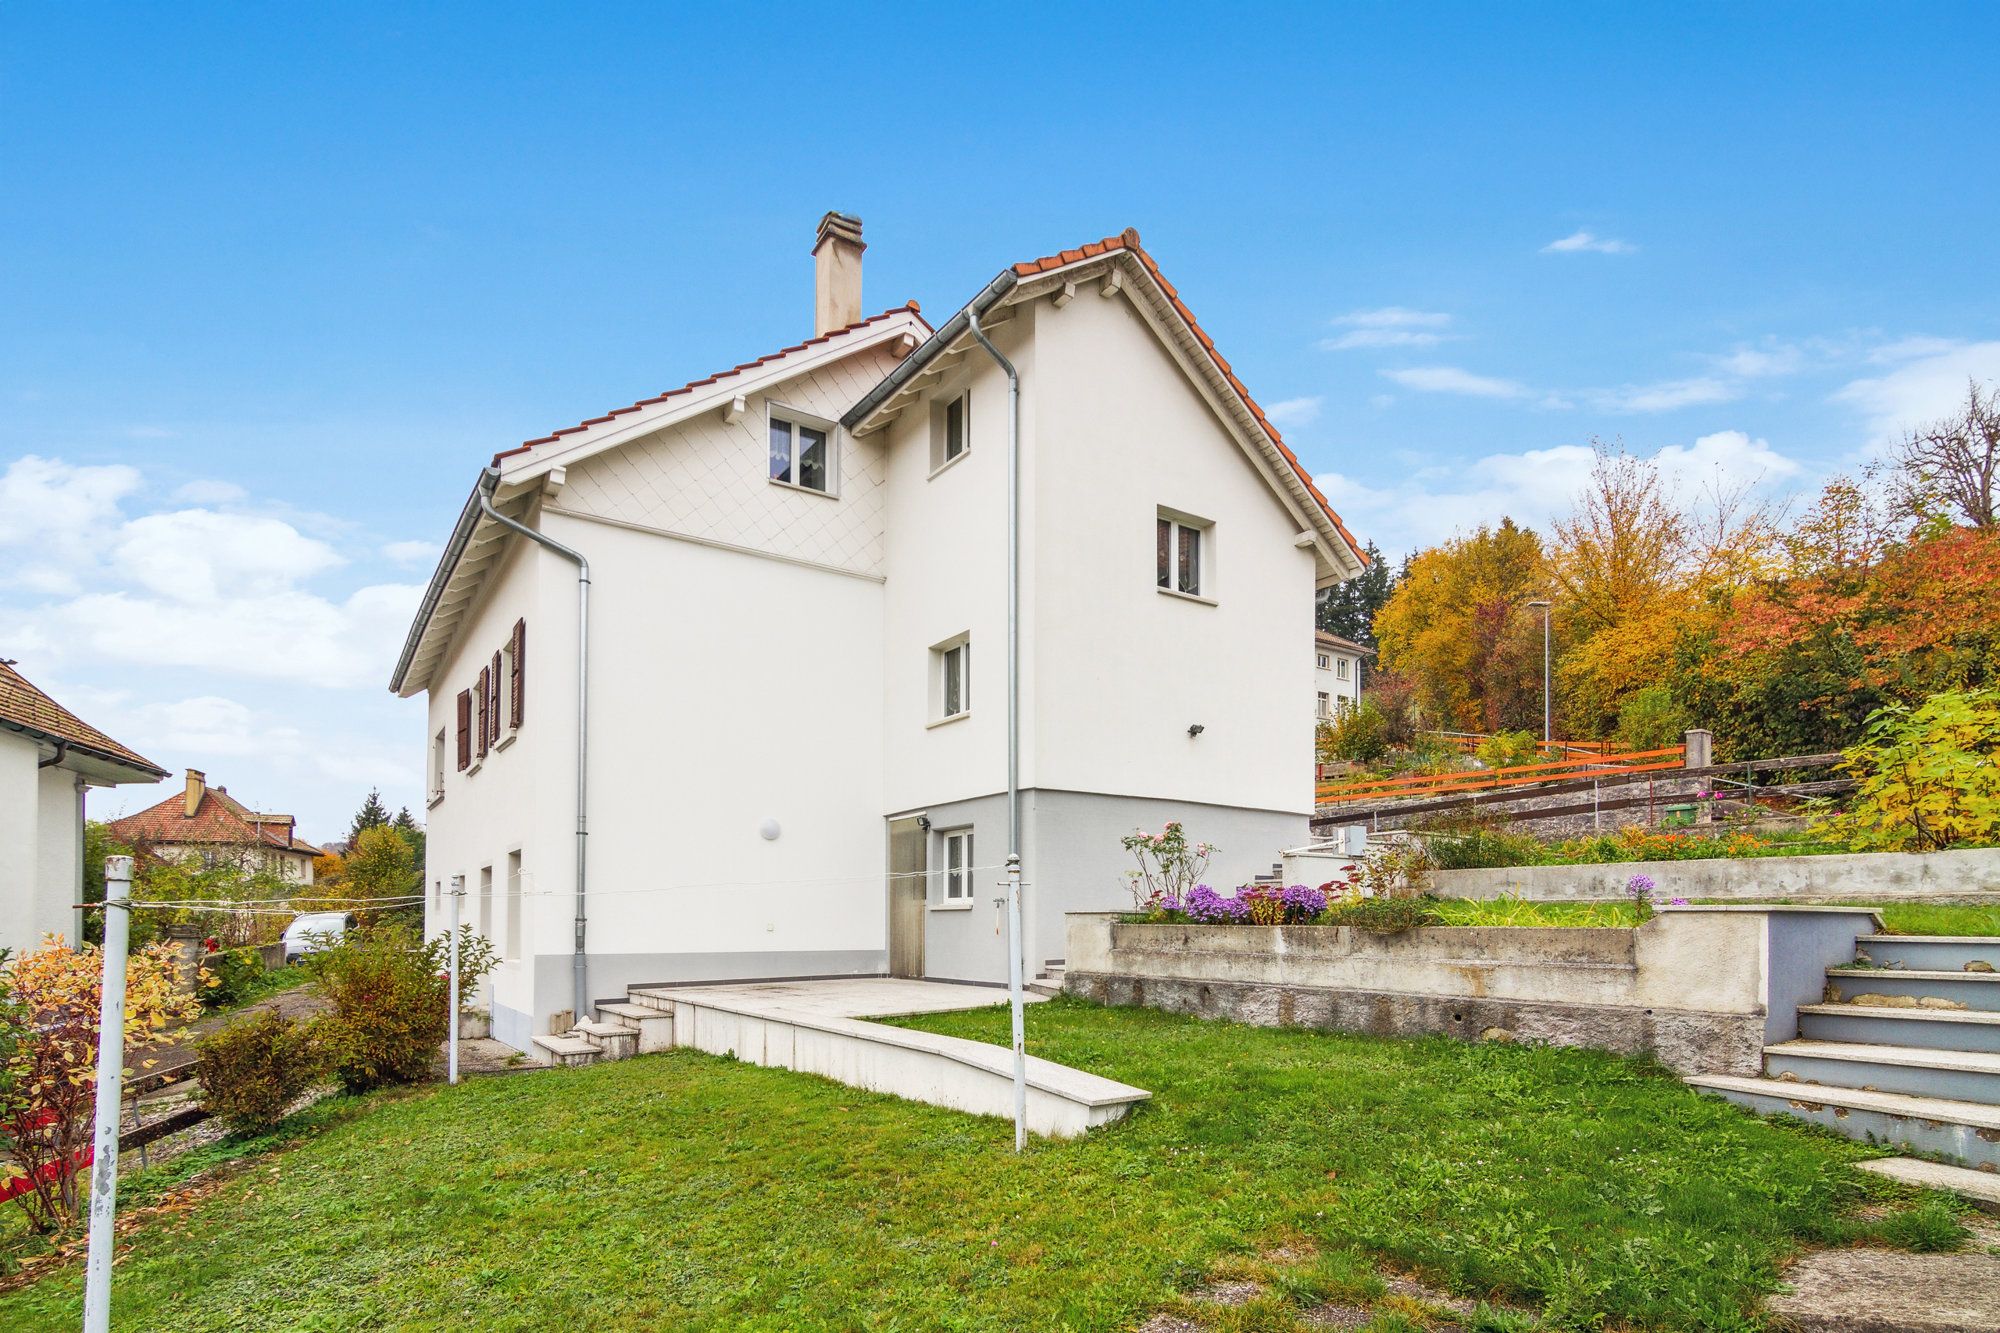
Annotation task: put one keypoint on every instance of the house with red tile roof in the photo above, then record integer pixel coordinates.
(209, 824)
(49, 760)
(780, 740)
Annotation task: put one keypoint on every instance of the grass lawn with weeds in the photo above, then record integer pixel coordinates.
(691, 1192)
(1897, 918)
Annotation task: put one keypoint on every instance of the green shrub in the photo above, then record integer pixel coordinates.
(1471, 845)
(1651, 719)
(1387, 916)
(1358, 734)
(1509, 749)
(232, 976)
(389, 995)
(1928, 777)
(253, 1070)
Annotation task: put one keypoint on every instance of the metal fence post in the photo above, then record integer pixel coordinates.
(110, 1094)
(457, 893)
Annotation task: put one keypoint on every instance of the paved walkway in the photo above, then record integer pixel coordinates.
(850, 997)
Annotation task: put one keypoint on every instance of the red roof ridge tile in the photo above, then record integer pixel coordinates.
(910, 306)
(1129, 240)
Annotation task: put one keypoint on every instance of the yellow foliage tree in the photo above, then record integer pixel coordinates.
(1458, 625)
(49, 1088)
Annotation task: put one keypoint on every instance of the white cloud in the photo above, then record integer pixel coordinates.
(1580, 241)
(211, 493)
(424, 553)
(1288, 414)
(1771, 360)
(1452, 380)
(288, 635)
(1531, 487)
(1927, 382)
(1389, 326)
(1667, 395)
(200, 555)
(58, 512)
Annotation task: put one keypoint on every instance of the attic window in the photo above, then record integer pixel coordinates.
(1180, 559)
(951, 430)
(801, 454)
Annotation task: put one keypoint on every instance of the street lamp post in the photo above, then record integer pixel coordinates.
(1544, 605)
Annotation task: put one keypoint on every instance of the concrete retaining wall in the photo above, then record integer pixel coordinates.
(1700, 988)
(1941, 877)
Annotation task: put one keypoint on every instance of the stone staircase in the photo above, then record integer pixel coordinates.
(1905, 1049)
(639, 1025)
(1049, 981)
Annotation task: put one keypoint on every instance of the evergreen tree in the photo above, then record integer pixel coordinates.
(1348, 609)
(412, 832)
(372, 814)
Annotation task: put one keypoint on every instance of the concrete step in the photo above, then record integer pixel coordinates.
(614, 1041)
(658, 998)
(1968, 1133)
(1969, 1076)
(1935, 1029)
(654, 1026)
(1935, 953)
(1050, 986)
(567, 1051)
(1981, 1189)
(1974, 990)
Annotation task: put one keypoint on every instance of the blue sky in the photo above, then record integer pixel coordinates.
(273, 283)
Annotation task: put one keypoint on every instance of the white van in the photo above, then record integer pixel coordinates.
(311, 932)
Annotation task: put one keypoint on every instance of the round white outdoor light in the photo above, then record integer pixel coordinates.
(768, 830)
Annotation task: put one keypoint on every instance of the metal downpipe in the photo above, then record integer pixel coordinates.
(1014, 941)
(578, 965)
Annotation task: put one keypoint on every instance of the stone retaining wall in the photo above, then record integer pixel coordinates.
(1971, 876)
(1703, 989)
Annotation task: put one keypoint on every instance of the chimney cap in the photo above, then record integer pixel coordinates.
(843, 226)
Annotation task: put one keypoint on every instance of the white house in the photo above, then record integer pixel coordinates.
(797, 740)
(49, 759)
(208, 824)
(1336, 674)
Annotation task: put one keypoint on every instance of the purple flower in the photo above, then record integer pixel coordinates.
(1640, 886)
(1208, 907)
(1301, 903)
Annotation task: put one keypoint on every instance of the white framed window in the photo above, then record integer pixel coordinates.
(951, 679)
(510, 910)
(1325, 704)
(437, 767)
(951, 430)
(484, 918)
(956, 865)
(1324, 661)
(1341, 667)
(801, 451)
(1184, 553)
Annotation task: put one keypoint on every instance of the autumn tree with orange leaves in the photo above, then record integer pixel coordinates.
(48, 1087)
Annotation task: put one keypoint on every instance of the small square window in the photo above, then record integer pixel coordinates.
(958, 866)
(800, 455)
(1179, 542)
(1324, 662)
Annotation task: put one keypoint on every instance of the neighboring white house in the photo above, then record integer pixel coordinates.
(208, 824)
(797, 644)
(1336, 674)
(49, 758)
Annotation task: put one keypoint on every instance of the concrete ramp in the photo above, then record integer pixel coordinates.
(822, 1027)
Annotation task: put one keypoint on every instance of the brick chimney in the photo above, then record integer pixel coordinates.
(197, 782)
(837, 273)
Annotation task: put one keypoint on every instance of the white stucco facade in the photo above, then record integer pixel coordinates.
(769, 664)
(1336, 675)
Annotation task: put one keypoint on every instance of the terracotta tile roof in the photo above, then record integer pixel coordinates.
(1345, 645)
(705, 381)
(1129, 240)
(26, 706)
(219, 819)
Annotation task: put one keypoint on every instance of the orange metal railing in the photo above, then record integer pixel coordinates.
(1605, 764)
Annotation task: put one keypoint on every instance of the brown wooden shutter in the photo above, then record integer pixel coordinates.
(464, 729)
(499, 719)
(516, 692)
(485, 719)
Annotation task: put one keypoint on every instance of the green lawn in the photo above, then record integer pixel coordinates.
(1897, 918)
(688, 1192)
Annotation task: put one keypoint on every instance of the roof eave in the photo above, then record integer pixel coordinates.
(146, 772)
(461, 535)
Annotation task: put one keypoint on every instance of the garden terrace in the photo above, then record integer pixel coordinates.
(725, 1196)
